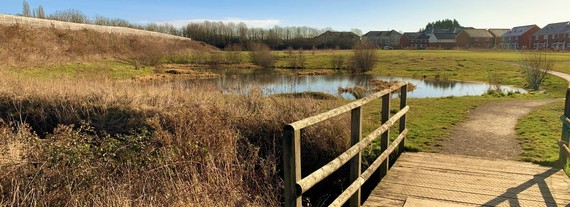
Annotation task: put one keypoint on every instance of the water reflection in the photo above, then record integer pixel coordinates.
(271, 83)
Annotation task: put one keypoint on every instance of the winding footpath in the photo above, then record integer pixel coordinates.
(489, 130)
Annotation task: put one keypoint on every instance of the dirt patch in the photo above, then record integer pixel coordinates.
(490, 130)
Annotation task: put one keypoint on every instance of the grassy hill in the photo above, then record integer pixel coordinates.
(30, 42)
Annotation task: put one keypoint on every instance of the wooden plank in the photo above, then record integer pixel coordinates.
(473, 181)
(386, 202)
(425, 177)
(415, 202)
(477, 171)
(404, 191)
(530, 191)
(470, 165)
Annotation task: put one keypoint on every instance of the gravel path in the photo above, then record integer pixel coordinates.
(490, 130)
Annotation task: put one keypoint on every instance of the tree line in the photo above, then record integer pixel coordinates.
(231, 36)
(239, 36)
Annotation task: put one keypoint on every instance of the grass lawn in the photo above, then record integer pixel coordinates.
(538, 133)
(106, 69)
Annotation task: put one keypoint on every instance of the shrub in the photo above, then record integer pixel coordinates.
(535, 67)
(363, 59)
(261, 56)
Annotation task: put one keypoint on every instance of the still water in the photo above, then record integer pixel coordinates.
(275, 84)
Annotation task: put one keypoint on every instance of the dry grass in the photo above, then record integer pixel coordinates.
(99, 142)
(24, 47)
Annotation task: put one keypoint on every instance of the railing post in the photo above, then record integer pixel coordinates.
(292, 165)
(563, 159)
(403, 103)
(384, 138)
(355, 162)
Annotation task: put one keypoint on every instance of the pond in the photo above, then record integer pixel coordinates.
(275, 84)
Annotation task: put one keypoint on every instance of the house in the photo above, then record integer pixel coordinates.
(474, 38)
(420, 42)
(555, 36)
(443, 38)
(519, 37)
(383, 38)
(497, 34)
(336, 40)
(407, 37)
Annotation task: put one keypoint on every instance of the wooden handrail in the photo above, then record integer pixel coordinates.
(565, 137)
(328, 169)
(295, 185)
(342, 198)
(343, 109)
(564, 148)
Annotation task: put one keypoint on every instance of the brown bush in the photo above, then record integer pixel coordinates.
(261, 56)
(108, 143)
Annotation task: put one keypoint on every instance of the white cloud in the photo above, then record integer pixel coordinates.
(254, 23)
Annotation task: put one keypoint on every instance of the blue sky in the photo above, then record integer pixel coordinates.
(366, 15)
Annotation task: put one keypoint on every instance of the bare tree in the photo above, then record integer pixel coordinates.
(40, 13)
(26, 9)
(535, 67)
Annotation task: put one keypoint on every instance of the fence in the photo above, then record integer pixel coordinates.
(295, 185)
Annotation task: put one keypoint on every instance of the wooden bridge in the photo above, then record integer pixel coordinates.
(424, 179)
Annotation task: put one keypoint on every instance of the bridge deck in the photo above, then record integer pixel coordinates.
(427, 179)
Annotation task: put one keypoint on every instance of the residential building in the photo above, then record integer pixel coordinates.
(497, 35)
(407, 37)
(443, 38)
(474, 38)
(554, 36)
(336, 40)
(383, 38)
(519, 37)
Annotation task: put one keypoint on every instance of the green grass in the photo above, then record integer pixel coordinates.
(538, 133)
(99, 69)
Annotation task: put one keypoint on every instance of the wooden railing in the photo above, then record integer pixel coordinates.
(565, 139)
(296, 185)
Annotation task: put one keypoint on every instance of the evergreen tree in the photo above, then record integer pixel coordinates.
(442, 24)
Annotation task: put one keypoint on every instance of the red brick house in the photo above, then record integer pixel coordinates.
(497, 34)
(519, 37)
(474, 38)
(554, 36)
(407, 37)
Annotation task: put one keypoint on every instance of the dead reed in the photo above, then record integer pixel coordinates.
(101, 142)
